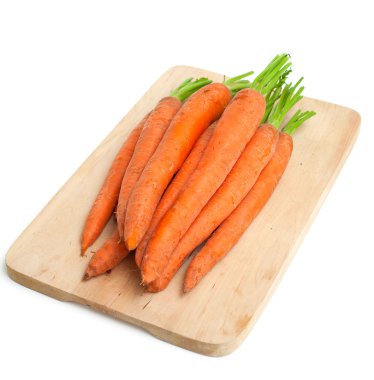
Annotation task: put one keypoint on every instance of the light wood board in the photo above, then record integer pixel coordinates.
(215, 317)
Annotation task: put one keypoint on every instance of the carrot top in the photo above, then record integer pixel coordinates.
(188, 87)
(269, 77)
(289, 96)
(273, 95)
(269, 82)
(296, 120)
(237, 83)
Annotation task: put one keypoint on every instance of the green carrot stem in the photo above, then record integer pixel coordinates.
(237, 83)
(188, 87)
(229, 81)
(296, 120)
(274, 95)
(267, 80)
(290, 95)
(188, 80)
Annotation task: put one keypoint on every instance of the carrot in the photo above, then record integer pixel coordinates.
(237, 184)
(107, 257)
(242, 177)
(151, 135)
(106, 200)
(230, 231)
(175, 188)
(241, 118)
(196, 114)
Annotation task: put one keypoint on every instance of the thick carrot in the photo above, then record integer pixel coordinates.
(151, 135)
(226, 236)
(149, 139)
(241, 118)
(106, 200)
(175, 188)
(234, 129)
(107, 257)
(230, 231)
(237, 184)
(196, 114)
(240, 180)
(193, 118)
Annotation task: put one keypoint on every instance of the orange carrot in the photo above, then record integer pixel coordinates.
(107, 257)
(230, 231)
(175, 188)
(196, 114)
(234, 129)
(237, 184)
(151, 135)
(193, 118)
(240, 180)
(106, 200)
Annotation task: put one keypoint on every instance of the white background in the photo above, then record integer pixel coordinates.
(69, 72)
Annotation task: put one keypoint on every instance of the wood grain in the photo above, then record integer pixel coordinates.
(219, 313)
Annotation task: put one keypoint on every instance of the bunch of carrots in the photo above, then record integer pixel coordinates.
(198, 168)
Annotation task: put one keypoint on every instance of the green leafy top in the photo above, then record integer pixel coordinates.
(268, 82)
(296, 120)
(272, 96)
(269, 78)
(290, 95)
(280, 97)
(188, 87)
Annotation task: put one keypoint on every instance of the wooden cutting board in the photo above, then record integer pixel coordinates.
(215, 317)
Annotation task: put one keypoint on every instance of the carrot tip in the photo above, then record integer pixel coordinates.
(90, 272)
(151, 290)
(146, 280)
(131, 243)
(187, 289)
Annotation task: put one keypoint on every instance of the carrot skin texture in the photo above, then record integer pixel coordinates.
(175, 188)
(236, 186)
(106, 200)
(107, 257)
(234, 129)
(151, 135)
(197, 113)
(230, 231)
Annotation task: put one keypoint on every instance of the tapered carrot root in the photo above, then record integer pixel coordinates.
(196, 114)
(175, 188)
(230, 231)
(236, 186)
(107, 257)
(106, 200)
(152, 133)
(234, 129)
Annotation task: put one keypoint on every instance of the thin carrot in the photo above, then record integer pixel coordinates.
(233, 131)
(196, 114)
(107, 257)
(175, 188)
(106, 200)
(151, 135)
(237, 184)
(230, 231)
